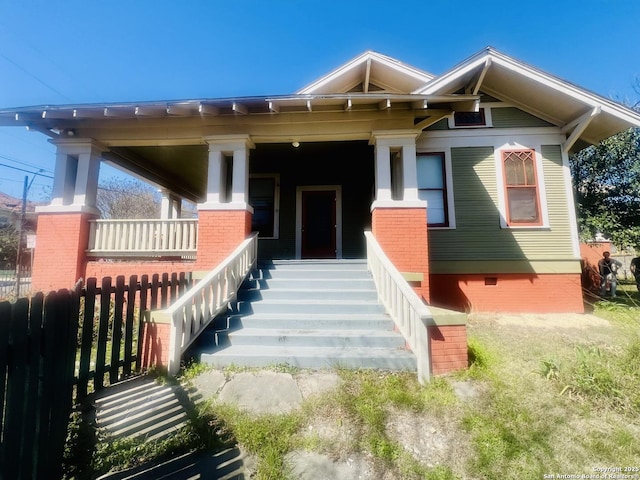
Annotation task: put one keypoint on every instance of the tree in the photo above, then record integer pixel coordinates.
(128, 198)
(8, 245)
(607, 181)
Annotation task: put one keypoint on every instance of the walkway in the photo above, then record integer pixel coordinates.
(142, 407)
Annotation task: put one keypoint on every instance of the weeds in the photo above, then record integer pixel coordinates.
(268, 437)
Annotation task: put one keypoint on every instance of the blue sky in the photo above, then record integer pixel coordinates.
(88, 51)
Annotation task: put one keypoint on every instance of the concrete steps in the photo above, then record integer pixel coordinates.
(307, 314)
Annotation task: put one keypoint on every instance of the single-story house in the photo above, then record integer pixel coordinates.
(462, 177)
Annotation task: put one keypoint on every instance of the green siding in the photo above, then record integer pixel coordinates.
(478, 235)
(439, 125)
(511, 117)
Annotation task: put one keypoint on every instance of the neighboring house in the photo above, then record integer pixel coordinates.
(463, 178)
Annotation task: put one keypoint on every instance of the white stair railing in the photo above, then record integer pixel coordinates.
(194, 310)
(144, 237)
(403, 304)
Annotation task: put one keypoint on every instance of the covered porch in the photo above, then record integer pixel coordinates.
(305, 200)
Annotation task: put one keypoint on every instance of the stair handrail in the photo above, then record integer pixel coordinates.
(409, 313)
(194, 310)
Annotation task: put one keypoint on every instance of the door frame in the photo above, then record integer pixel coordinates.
(306, 188)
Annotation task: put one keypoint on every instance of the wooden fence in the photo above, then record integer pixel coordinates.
(54, 350)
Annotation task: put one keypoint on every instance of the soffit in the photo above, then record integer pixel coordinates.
(538, 93)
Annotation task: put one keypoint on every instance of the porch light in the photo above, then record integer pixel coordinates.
(295, 144)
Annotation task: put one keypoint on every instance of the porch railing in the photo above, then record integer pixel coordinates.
(148, 237)
(405, 307)
(192, 312)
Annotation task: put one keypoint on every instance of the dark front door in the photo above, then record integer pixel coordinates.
(319, 224)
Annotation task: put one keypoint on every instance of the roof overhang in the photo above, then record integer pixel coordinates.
(557, 101)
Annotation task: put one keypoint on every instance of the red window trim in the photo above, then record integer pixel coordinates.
(506, 187)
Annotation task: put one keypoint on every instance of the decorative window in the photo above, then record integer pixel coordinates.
(432, 187)
(263, 197)
(521, 186)
(469, 119)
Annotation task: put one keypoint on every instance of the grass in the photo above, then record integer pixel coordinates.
(547, 400)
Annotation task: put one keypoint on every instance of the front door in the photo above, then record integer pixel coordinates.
(319, 224)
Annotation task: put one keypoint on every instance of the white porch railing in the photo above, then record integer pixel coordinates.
(192, 312)
(403, 304)
(143, 237)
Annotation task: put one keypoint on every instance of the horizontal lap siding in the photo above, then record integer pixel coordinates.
(511, 117)
(478, 235)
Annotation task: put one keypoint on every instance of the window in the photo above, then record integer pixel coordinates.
(432, 187)
(523, 205)
(469, 119)
(263, 197)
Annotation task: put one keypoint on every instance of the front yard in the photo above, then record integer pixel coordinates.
(545, 395)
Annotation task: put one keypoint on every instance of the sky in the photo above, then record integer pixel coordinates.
(89, 51)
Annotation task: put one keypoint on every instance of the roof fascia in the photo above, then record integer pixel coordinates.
(491, 55)
(361, 59)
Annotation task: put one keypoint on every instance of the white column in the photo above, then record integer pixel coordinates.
(240, 178)
(409, 172)
(165, 205)
(86, 187)
(385, 142)
(170, 205)
(64, 179)
(222, 146)
(75, 184)
(176, 207)
(383, 173)
(215, 177)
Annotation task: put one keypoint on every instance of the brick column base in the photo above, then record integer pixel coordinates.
(219, 233)
(156, 338)
(402, 234)
(448, 348)
(59, 257)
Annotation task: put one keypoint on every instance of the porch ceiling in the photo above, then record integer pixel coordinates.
(179, 168)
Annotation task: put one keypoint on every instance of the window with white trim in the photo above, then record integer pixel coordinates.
(521, 186)
(432, 187)
(264, 198)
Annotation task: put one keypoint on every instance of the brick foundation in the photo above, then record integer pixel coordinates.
(402, 234)
(59, 256)
(517, 293)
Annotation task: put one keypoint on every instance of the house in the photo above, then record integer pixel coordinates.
(462, 178)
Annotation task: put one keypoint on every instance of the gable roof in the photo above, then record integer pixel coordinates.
(367, 73)
(557, 101)
(372, 81)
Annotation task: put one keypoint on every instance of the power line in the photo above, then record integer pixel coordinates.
(27, 171)
(35, 77)
(26, 164)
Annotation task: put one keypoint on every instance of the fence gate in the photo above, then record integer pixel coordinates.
(37, 356)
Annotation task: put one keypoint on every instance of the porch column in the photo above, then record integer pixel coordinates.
(170, 205)
(63, 225)
(224, 219)
(400, 224)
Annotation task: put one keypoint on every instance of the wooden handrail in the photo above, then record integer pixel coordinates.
(403, 304)
(194, 310)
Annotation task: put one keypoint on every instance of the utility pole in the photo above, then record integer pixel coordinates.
(20, 229)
